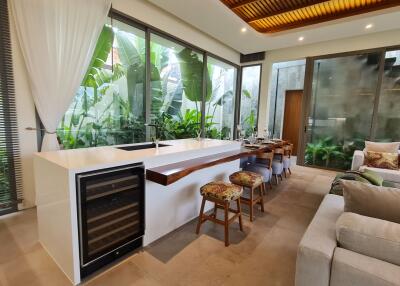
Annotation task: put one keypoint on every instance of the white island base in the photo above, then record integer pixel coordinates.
(166, 207)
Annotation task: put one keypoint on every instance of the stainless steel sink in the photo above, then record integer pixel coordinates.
(141, 146)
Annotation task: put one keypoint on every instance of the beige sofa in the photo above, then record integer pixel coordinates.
(358, 163)
(321, 262)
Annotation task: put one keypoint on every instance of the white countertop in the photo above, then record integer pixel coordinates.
(108, 156)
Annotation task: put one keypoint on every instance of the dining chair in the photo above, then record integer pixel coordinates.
(262, 164)
(288, 149)
(277, 164)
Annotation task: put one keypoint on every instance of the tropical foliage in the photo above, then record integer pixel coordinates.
(327, 154)
(110, 104)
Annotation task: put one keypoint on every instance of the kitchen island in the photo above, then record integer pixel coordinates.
(165, 207)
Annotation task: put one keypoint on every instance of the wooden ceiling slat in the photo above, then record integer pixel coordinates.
(271, 16)
(281, 11)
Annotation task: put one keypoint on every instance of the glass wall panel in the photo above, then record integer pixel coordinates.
(176, 88)
(389, 103)
(220, 99)
(342, 102)
(109, 106)
(285, 76)
(249, 98)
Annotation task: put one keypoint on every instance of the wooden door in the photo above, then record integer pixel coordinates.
(292, 117)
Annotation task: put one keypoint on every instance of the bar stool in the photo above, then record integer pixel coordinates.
(288, 149)
(251, 181)
(221, 194)
(277, 164)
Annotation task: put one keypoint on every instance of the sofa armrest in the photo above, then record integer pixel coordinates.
(369, 236)
(315, 253)
(358, 160)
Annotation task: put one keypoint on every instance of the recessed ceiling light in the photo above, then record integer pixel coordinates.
(243, 30)
(301, 38)
(369, 26)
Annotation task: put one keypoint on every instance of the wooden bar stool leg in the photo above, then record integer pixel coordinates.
(261, 188)
(251, 203)
(239, 208)
(215, 210)
(203, 202)
(226, 223)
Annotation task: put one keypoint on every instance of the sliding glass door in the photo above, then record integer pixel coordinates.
(351, 98)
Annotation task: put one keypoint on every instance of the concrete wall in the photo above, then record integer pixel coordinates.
(139, 9)
(382, 39)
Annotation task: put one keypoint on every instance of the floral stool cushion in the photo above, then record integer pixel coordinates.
(246, 179)
(221, 191)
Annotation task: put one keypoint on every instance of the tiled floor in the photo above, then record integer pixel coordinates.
(265, 254)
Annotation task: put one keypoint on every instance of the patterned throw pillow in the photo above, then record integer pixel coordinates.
(383, 160)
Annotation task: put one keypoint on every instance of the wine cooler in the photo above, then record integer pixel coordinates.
(110, 214)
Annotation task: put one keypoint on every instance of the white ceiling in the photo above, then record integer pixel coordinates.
(215, 19)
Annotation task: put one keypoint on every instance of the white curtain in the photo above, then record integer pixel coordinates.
(57, 39)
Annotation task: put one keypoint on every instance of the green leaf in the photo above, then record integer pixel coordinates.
(192, 75)
(246, 93)
(100, 55)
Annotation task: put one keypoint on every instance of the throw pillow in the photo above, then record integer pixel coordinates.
(373, 177)
(382, 160)
(386, 147)
(372, 201)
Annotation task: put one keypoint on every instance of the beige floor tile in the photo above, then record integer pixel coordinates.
(264, 254)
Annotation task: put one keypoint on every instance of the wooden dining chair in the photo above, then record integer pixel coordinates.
(263, 166)
(288, 149)
(277, 164)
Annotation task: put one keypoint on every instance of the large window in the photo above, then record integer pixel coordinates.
(10, 165)
(138, 76)
(220, 99)
(109, 106)
(389, 103)
(250, 92)
(176, 88)
(342, 103)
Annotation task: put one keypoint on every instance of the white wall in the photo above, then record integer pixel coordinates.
(139, 9)
(382, 39)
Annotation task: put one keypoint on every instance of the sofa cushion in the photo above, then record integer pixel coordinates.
(387, 175)
(382, 160)
(353, 269)
(372, 201)
(386, 147)
(369, 236)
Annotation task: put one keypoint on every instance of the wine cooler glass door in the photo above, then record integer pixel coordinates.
(111, 210)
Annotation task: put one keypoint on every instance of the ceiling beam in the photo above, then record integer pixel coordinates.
(242, 3)
(337, 15)
(285, 10)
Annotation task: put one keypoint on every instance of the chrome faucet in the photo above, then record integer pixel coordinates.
(157, 128)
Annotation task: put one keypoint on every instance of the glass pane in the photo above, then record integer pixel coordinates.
(176, 88)
(109, 106)
(249, 98)
(220, 99)
(389, 108)
(343, 93)
(285, 76)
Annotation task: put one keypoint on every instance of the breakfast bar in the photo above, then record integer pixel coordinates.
(61, 178)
